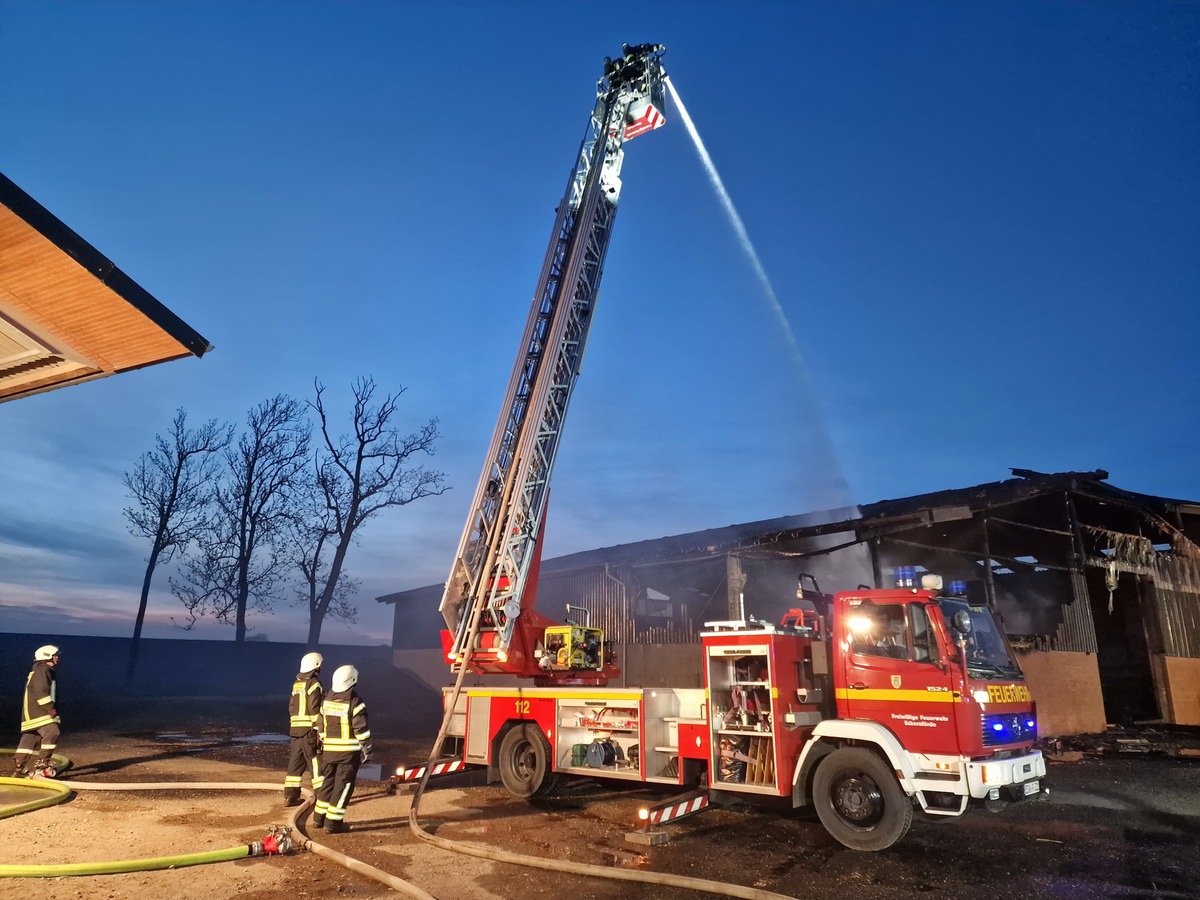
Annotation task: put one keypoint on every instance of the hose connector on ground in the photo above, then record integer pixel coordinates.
(277, 840)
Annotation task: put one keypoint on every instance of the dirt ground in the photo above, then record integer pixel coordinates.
(1114, 827)
(100, 826)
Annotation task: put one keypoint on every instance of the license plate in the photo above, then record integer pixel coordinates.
(1030, 787)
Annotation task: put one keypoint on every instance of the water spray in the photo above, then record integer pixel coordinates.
(735, 220)
(818, 428)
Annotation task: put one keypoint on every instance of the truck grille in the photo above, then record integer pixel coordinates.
(1008, 728)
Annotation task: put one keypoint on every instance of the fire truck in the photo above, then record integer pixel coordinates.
(873, 706)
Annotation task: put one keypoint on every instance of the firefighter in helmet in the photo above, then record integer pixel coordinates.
(39, 717)
(347, 745)
(304, 708)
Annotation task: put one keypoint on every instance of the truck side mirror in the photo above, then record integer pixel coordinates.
(962, 622)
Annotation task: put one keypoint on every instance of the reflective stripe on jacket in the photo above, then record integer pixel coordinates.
(39, 708)
(304, 707)
(344, 723)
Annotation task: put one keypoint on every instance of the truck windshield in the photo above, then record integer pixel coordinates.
(988, 653)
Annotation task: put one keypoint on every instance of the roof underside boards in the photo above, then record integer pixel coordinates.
(67, 313)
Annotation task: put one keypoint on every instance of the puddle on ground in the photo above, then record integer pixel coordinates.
(180, 738)
(262, 739)
(183, 739)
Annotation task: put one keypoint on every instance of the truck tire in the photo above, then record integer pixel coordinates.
(859, 800)
(524, 761)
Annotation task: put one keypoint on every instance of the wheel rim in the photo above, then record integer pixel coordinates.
(523, 762)
(858, 800)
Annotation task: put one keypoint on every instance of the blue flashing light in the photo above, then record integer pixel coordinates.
(958, 588)
(906, 576)
(997, 726)
(1030, 723)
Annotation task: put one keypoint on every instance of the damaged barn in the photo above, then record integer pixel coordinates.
(1098, 588)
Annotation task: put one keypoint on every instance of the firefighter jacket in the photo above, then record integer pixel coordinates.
(39, 708)
(305, 704)
(344, 724)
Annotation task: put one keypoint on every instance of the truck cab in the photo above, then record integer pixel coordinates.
(928, 684)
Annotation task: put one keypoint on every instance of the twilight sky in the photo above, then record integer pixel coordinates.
(981, 221)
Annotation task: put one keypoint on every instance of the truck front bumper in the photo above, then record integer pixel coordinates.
(1008, 780)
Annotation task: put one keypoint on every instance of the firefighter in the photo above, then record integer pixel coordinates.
(304, 708)
(39, 716)
(347, 745)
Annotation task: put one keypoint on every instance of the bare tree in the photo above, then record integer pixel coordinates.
(239, 562)
(358, 475)
(172, 486)
(311, 535)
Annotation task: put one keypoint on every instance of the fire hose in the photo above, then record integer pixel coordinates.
(281, 841)
(354, 865)
(277, 840)
(51, 793)
(541, 862)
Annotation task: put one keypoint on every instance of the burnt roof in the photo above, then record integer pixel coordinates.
(1038, 494)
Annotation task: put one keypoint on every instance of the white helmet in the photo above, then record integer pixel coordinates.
(311, 662)
(345, 678)
(45, 653)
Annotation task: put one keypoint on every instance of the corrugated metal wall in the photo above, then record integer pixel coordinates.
(1175, 578)
(1177, 597)
(609, 602)
(1077, 631)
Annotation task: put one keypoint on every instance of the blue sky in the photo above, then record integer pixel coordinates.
(980, 221)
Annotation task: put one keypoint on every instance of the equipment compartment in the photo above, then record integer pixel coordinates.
(743, 718)
(600, 736)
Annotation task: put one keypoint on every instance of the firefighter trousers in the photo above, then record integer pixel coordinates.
(304, 756)
(44, 739)
(339, 771)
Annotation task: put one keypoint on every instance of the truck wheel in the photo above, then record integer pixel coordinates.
(524, 763)
(859, 800)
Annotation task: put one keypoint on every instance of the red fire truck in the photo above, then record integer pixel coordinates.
(872, 706)
(897, 703)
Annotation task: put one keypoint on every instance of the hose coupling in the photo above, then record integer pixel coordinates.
(278, 840)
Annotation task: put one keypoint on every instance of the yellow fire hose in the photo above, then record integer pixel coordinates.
(51, 792)
(124, 865)
(56, 791)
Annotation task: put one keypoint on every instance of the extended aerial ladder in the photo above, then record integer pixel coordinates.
(488, 603)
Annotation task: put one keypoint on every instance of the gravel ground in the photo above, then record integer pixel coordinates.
(1116, 825)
